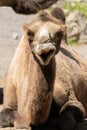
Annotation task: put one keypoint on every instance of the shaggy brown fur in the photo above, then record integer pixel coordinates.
(41, 85)
(27, 6)
(59, 14)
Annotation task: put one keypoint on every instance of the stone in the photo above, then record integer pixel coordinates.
(77, 27)
(15, 36)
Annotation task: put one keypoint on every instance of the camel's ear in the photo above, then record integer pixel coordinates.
(28, 31)
(59, 14)
(25, 27)
(64, 29)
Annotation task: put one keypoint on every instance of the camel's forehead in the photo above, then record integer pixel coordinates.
(42, 32)
(44, 24)
(45, 19)
(43, 27)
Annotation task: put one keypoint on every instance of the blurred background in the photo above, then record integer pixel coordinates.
(11, 30)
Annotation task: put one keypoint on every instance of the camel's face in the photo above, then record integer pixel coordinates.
(44, 38)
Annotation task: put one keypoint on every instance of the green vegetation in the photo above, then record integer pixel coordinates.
(82, 7)
(72, 42)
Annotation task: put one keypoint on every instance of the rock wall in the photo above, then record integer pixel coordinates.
(77, 27)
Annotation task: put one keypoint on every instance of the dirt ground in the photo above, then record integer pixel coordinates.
(10, 35)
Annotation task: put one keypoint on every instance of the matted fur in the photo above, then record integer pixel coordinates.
(27, 6)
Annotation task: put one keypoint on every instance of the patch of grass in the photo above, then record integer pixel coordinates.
(49, 9)
(72, 42)
(82, 7)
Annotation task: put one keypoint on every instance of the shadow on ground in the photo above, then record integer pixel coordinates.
(79, 126)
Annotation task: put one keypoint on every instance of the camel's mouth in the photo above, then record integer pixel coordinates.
(44, 52)
(46, 56)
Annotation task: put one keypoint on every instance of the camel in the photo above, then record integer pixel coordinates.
(46, 78)
(27, 6)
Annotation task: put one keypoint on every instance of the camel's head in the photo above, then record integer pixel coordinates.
(44, 35)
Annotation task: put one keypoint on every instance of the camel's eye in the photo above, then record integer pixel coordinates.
(30, 33)
(59, 33)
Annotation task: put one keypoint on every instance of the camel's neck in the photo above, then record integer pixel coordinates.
(41, 83)
(42, 75)
(38, 75)
(49, 71)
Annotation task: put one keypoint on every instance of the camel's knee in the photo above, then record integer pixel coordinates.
(6, 117)
(76, 108)
(67, 121)
(21, 122)
(1, 95)
(70, 113)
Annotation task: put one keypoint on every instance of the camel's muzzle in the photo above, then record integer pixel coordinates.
(45, 52)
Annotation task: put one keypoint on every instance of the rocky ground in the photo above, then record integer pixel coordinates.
(10, 34)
